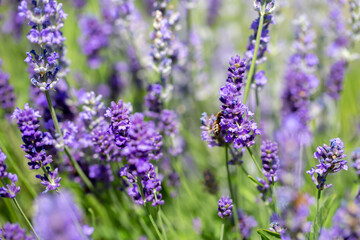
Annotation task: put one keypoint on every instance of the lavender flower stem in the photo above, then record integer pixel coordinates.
(231, 192)
(66, 149)
(222, 230)
(257, 113)
(256, 163)
(24, 216)
(253, 62)
(317, 212)
(147, 210)
(161, 223)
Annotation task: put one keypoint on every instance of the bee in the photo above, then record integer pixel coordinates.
(217, 127)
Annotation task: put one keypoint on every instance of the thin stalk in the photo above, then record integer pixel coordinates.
(160, 219)
(66, 149)
(26, 219)
(253, 62)
(258, 112)
(222, 230)
(162, 224)
(147, 210)
(317, 211)
(256, 163)
(231, 192)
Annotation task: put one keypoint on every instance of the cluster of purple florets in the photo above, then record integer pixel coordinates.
(7, 97)
(235, 119)
(46, 19)
(270, 160)
(331, 160)
(35, 142)
(8, 190)
(225, 206)
(140, 143)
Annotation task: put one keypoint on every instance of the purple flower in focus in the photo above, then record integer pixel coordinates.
(150, 185)
(50, 180)
(225, 206)
(27, 120)
(10, 190)
(14, 232)
(143, 144)
(120, 121)
(270, 160)
(330, 161)
(264, 40)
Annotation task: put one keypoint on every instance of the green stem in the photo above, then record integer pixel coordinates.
(258, 113)
(317, 211)
(66, 149)
(161, 223)
(231, 192)
(26, 219)
(256, 163)
(147, 209)
(253, 62)
(222, 230)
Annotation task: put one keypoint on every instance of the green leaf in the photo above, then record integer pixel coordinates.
(268, 235)
(255, 181)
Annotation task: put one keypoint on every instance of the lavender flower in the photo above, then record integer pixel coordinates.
(269, 6)
(355, 157)
(213, 11)
(225, 207)
(300, 80)
(7, 97)
(3, 167)
(94, 38)
(270, 160)
(264, 40)
(246, 223)
(264, 189)
(236, 124)
(33, 138)
(46, 19)
(143, 144)
(233, 124)
(330, 161)
(153, 101)
(355, 19)
(58, 217)
(101, 172)
(120, 121)
(10, 190)
(150, 185)
(14, 232)
(336, 79)
(50, 180)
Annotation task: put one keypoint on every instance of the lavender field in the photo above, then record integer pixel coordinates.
(179, 119)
